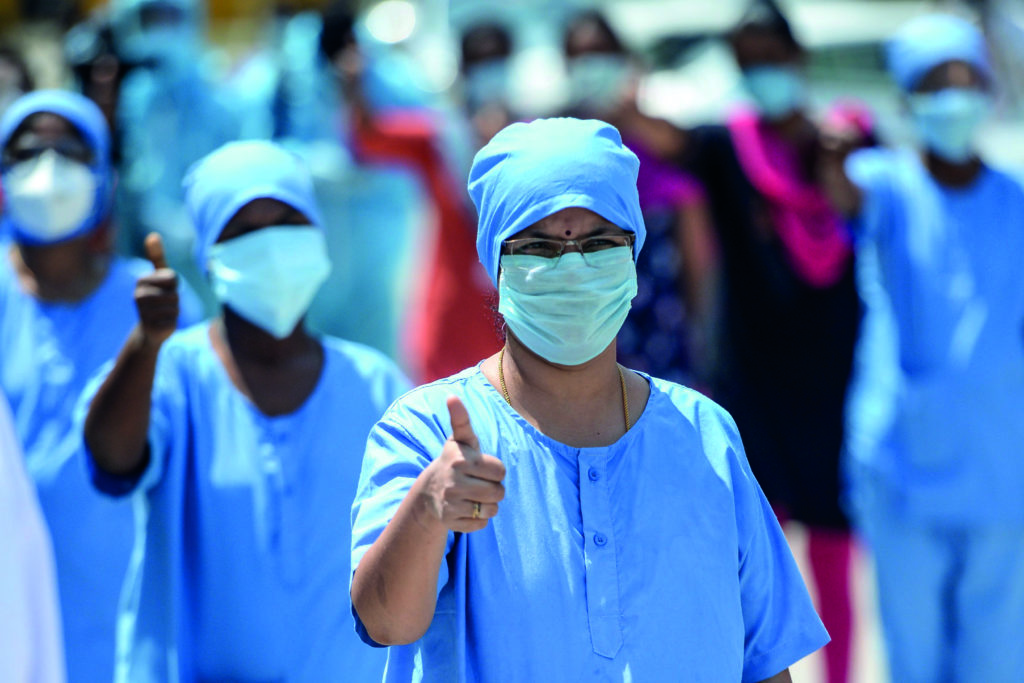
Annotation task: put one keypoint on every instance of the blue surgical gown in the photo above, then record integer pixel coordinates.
(241, 572)
(50, 350)
(937, 404)
(654, 559)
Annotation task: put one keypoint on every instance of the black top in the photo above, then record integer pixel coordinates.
(785, 347)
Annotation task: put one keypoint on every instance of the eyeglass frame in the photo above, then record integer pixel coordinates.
(508, 247)
(74, 151)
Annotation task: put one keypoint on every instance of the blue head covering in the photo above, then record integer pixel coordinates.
(930, 40)
(88, 120)
(529, 171)
(139, 43)
(225, 180)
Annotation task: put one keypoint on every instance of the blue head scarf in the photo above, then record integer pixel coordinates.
(88, 120)
(933, 39)
(224, 181)
(529, 171)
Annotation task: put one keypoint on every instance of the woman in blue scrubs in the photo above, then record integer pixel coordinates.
(241, 439)
(65, 309)
(937, 407)
(549, 514)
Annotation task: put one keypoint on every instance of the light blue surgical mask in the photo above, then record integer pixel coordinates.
(567, 310)
(487, 83)
(776, 90)
(947, 120)
(270, 276)
(596, 81)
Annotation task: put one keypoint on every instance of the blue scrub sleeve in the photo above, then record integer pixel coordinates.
(393, 459)
(167, 400)
(781, 626)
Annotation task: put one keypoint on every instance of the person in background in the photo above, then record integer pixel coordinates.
(789, 310)
(937, 409)
(15, 78)
(453, 293)
(15, 81)
(486, 50)
(667, 325)
(62, 315)
(549, 514)
(169, 115)
(239, 437)
(31, 650)
(290, 93)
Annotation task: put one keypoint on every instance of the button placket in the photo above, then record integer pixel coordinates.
(273, 483)
(602, 578)
(290, 545)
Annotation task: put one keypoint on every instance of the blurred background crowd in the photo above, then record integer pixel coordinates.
(387, 102)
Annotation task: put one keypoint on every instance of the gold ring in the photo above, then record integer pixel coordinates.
(476, 510)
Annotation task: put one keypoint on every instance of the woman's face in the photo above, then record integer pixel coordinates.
(261, 213)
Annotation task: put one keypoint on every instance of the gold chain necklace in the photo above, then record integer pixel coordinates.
(508, 399)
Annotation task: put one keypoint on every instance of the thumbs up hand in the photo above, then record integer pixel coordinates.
(156, 296)
(463, 486)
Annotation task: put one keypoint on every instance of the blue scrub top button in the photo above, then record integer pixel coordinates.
(593, 474)
(600, 539)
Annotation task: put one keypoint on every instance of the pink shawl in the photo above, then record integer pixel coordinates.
(812, 233)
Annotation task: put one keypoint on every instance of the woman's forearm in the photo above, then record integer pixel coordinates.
(394, 589)
(118, 419)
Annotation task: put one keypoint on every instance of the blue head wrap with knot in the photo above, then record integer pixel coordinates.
(227, 179)
(529, 171)
(86, 117)
(933, 39)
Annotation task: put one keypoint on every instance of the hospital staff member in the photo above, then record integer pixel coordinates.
(937, 414)
(65, 309)
(241, 437)
(170, 113)
(549, 514)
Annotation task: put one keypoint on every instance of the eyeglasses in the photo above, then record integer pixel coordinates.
(553, 249)
(71, 149)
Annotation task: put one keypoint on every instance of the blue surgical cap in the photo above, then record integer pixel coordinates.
(227, 179)
(119, 8)
(933, 39)
(88, 120)
(529, 171)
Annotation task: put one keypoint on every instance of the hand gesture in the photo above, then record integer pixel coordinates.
(463, 486)
(845, 129)
(156, 295)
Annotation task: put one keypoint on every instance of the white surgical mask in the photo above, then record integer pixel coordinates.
(50, 197)
(567, 310)
(947, 120)
(776, 90)
(596, 81)
(270, 276)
